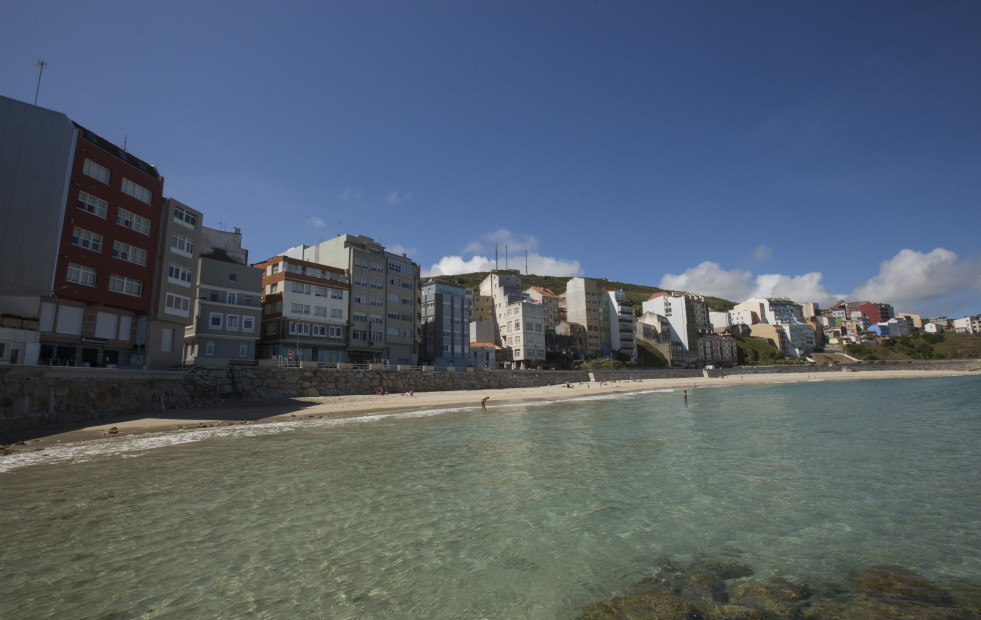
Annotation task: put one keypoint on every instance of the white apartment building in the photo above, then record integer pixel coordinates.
(520, 321)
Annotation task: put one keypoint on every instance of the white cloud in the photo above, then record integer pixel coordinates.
(803, 288)
(395, 198)
(450, 265)
(316, 222)
(401, 249)
(511, 249)
(710, 279)
(914, 281)
(761, 253)
(738, 285)
(350, 193)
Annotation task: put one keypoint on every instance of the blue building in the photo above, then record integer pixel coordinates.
(446, 313)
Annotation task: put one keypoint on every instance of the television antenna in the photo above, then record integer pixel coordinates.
(42, 65)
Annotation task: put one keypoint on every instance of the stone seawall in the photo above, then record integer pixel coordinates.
(33, 397)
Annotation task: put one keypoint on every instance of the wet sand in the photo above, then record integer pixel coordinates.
(247, 412)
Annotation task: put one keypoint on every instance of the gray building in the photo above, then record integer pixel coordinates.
(174, 291)
(227, 311)
(384, 299)
(446, 313)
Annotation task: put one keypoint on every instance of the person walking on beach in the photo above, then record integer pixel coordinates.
(483, 403)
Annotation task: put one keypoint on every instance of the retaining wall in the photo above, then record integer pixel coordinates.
(33, 397)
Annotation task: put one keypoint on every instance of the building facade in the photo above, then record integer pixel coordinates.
(227, 310)
(174, 291)
(446, 317)
(304, 311)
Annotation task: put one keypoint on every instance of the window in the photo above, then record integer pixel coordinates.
(88, 240)
(80, 274)
(335, 332)
(359, 334)
(299, 287)
(94, 170)
(215, 320)
(393, 331)
(243, 349)
(176, 304)
(182, 245)
(320, 291)
(232, 277)
(179, 275)
(231, 298)
(319, 311)
(137, 191)
(128, 253)
(95, 206)
(132, 221)
(335, 294)
(300, 309)
(320, 331)
(247, 300)
(185, 217)
(209, 347)
(336, 313)
(231, 322)
(126, 286)
(248, 323)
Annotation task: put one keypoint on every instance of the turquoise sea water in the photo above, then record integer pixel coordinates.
(526, 511)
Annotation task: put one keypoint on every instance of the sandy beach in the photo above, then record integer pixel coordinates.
(250, 412)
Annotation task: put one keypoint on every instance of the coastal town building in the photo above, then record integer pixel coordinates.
(623, 324)
(446, 313)
(520, 322)
(687, 313)
(582, 304)
(877, 313)
(84, 275)
(483, 354)
(550, 305)
(174, 291)
(227, 312)
(716, 349)
(568, 342)
(384, 298)
(304, 311)
(774, 334)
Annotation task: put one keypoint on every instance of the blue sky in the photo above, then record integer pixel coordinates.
(815, 150)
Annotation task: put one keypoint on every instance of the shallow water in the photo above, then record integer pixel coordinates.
(526, 511)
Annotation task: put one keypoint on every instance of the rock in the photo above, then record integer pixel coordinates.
(776, 596)
(898, 582)
(655, 606)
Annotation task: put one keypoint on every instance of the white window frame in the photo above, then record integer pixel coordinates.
(212, 324)
(231, 322)
(87, 239)
(80, 274)
(125, 285)
(128, 219)
(183, 275)
(177, 304)
(185, 218)
(96, 171)
(243, 349)
(248, 323)
(131, 188)
(92, 204)
(180, 244)
(129, 253)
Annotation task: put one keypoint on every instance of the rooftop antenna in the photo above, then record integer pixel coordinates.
(42, 65)
(496, 266)
(526, 262)
(125, 139)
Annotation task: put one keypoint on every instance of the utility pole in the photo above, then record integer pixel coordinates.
(42, 65)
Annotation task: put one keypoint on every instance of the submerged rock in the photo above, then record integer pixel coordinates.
(661, 605)
(888, 581)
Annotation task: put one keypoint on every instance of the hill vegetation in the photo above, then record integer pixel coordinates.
(920, 346)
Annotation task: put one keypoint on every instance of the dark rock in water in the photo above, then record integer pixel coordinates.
(776, 596)
(723, 569)
(854, 606)
(898, 582)
(656, 605)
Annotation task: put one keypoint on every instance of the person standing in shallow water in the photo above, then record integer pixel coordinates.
(483, 403)
(685, 397)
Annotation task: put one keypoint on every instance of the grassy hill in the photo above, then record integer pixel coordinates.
(636, 293)
(920, 346)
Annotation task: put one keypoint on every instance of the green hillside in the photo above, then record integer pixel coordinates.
(636, 293)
